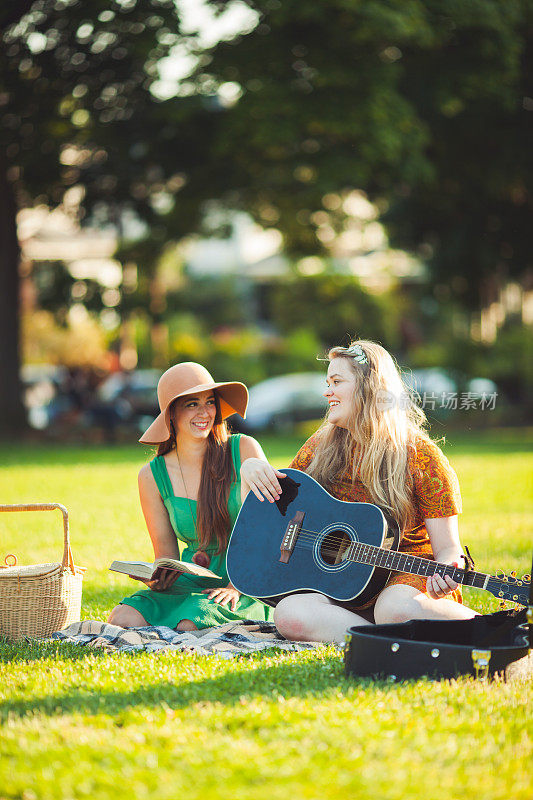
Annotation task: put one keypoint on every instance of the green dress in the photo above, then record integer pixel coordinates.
(184, 599)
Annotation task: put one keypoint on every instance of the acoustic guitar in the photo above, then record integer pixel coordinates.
(310, 541)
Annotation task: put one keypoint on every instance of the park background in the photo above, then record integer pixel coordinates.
(246, 184)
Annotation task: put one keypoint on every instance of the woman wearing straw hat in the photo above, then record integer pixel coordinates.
(190, 495)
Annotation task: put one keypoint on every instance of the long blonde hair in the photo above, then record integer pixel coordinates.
(382, 430)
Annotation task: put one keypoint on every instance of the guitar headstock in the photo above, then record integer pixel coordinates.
(509, 587)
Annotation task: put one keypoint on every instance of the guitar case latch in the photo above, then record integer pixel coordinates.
(480, 660)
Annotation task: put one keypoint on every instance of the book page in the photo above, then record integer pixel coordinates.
(185, 566)
(139, 569)
(142, 569)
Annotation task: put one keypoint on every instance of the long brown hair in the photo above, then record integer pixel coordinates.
(218, 473)
(381, 434)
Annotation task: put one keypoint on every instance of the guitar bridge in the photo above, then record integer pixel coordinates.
(291, 535)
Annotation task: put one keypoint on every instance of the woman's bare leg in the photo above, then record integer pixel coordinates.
(313, 618)
(400, 603)
(186, 625)
(127, 617)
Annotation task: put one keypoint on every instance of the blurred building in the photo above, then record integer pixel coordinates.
(47, 236)
(245, 251)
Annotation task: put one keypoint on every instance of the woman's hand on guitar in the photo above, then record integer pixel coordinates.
(226, 595)
(262, 479)
(438, 586)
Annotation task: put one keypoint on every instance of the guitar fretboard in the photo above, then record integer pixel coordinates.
(401, 562)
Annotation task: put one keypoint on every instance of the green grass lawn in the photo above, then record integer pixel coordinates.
(81, 724)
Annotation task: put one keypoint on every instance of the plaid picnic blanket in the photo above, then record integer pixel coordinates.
(227, 640)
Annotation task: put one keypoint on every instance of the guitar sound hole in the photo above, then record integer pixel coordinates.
(333, 547)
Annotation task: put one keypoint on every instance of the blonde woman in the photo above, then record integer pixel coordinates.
(372, 447)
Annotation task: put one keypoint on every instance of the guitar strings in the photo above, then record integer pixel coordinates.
(425, 562)
(332, 539)
(308, 543)
(309, 540)
(334, 553)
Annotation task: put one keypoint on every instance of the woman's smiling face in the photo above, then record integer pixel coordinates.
(195, 415)
(340, 392)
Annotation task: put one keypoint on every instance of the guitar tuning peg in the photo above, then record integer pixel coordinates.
(513, 574)
(526, 577)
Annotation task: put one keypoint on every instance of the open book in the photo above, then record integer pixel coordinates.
(146, 571)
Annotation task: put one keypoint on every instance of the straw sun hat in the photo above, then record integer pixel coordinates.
(190, 378)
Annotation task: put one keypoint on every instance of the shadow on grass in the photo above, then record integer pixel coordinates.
(30, 651)
(97, 605)
(266, 682)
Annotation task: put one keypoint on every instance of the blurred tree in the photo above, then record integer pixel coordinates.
(424, 104)
(77, 110)
(335, 308)
(421, 103)
(56, 290)
(80, 345)
(217, 301)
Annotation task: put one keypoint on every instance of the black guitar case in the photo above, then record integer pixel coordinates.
(490, 645)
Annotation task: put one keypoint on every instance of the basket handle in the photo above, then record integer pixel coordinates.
(67, 561)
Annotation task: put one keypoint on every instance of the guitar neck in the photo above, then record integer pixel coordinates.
(414, 565)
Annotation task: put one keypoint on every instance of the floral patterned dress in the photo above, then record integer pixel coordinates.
(435, 494)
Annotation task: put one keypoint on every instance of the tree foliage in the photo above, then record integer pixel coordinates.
(424, 104)
(335, 307)
(77, 110)
(77, 105)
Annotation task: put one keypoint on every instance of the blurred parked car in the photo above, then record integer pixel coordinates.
(430, 381)
(278, 403)
(125, 399)
(441, 392)
(435, 380)
(43, 394)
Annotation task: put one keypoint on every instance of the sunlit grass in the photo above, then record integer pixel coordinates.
(78, 723)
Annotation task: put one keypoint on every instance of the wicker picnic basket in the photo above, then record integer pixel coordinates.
(38, 599)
